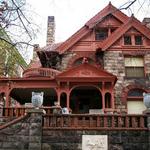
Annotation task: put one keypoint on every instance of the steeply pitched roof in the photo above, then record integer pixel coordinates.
(132, 22)
(109, 9)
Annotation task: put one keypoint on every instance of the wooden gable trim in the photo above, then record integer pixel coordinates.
(73, 39)
(132, 22)
(89, 66)
(109, 9)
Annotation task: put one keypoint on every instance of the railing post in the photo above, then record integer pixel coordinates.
(35, 129)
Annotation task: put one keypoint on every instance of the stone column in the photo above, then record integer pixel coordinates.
(35, 129)
(147, 112)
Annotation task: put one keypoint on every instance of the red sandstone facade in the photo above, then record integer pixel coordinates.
(104, 67)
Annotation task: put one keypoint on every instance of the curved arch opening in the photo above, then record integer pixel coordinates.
(80, 60)
(63, 100)
(135, 103)
(84, 98)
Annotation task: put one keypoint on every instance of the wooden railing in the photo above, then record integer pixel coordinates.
(20, 111)
(12, 111)
(82, 121)
(100, 122)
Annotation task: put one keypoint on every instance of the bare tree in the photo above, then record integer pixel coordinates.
(16, 31)
(15, 21)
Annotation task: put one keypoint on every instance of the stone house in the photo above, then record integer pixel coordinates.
(104, 67)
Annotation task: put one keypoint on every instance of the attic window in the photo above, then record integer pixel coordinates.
(101, 34)
(127, 40)
(138, 40)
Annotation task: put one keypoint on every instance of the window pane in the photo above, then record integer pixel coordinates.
(134, 71)
(136, 92)
(138, 40)
(127, 40)
(135, 107)
(134, 61)
(101, 34)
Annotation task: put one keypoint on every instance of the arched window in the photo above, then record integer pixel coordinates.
(107, 100)
(79, 61)
(135, 103)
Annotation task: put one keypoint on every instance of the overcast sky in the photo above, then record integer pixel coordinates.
(71, 15)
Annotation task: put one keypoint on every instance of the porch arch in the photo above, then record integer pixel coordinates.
(63, 99)
(83, 98)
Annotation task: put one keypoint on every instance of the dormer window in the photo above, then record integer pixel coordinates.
(138, 40)
(133, 40)
(127, 40)
(101, 34)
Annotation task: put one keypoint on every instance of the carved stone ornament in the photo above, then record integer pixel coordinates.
(146, 98)
(37, 99)
(94, 142)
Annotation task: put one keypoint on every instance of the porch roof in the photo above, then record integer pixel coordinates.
(86, 72)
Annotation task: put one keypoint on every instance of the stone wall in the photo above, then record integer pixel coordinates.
(26, 133)
(72, 139)
(65, 60)
(114, 63)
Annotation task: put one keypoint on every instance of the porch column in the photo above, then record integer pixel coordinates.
(103, 96)
(103, 100)
(68, 101)
(58, 97)
(112, 99)
(112, 96)
(7, 104)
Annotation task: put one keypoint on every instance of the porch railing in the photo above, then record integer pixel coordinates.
(82, 121)
(89, 121)
(20, 111)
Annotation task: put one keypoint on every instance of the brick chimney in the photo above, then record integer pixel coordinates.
(146, 22)
(50, 30)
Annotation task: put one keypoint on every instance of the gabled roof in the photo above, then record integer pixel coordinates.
(109, 9)
(73, 39)
(86, 72)
(132, 22)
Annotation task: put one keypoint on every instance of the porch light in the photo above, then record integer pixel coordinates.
(37, 99)
(146, 98)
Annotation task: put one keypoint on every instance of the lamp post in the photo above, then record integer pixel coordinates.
(37, 99)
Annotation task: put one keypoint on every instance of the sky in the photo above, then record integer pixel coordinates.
(71, 15)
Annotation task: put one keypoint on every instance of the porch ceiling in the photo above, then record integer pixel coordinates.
(24, 95)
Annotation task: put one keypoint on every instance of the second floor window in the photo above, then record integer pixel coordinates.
(138, 40)
(127, 40)
(134, 67)
(101, 34)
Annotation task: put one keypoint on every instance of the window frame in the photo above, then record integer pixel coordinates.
(99, 32)
(134, 67)
(137, 42)
(126, 43)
